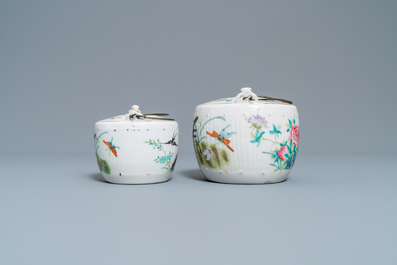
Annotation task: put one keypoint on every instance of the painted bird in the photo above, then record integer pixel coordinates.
(172, 141)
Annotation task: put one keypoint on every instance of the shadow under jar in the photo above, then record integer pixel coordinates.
(247, 139)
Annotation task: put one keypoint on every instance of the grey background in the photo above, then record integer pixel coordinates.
(65, 65)
(331, 210)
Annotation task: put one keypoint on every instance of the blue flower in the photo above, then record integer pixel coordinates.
(155, 144)
(158, 144)
(162, 159)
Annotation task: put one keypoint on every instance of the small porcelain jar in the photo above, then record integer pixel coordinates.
(136, 148)
(247, 139)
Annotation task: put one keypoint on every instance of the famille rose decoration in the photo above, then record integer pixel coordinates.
(248, 139)
(136, 148)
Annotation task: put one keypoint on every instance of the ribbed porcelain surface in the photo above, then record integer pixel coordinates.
(237, 140)
(136, 151)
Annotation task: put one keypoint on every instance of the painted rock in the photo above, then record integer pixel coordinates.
(247, 139)
(136, 148)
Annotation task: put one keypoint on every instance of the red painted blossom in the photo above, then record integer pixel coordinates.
(281, 153)
(294, 134)
(103, 164)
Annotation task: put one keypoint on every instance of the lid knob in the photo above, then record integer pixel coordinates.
(246, 89)
(134, 113)
(246, 95)
(135, 107)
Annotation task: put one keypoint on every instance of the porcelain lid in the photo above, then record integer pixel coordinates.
(135, 115)
(248, 97)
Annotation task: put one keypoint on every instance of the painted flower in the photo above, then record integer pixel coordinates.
(281, 153)
(156, 144)
(103, 164)
(258, 120)
(294, 134)
(161, 160)
(208, 154)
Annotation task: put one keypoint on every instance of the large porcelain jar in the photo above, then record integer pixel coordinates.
(136, 148)
(247, 139)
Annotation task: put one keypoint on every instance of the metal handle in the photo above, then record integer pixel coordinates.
(247, 95)
(134, 113)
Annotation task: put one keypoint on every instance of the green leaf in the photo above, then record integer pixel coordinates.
(279, 127)
(256, 126)
(274, 130)
(294, 121)
(290, 123)
(287, 130)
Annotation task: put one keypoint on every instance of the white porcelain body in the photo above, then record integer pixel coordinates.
(135, 162)
(258, 154)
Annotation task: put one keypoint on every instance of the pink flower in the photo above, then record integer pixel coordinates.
(103, 164)
(294, 134)
(281, 153)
